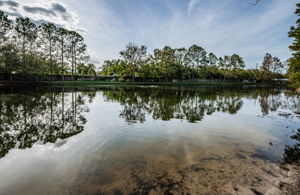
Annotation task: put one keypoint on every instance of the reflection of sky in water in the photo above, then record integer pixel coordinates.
(107, 137)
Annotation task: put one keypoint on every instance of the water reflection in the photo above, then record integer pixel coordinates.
(192, 103)
(272, 100)
(292, 153)
(31, 117)
(210, 146)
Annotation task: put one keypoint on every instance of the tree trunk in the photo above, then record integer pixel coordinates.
(75, 62)
(62, 61)
(72, 61)
(51, 63)
(63, 110)
(23, 51)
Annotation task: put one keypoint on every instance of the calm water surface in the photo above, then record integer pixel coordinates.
(139, 140)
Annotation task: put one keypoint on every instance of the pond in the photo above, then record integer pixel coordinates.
(147, 139)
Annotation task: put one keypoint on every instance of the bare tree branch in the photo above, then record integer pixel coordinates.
(255, 2)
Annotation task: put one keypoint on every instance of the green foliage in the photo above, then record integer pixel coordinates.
(196, 56)
(86, 69)
(10, 60)
(294, 61)
(49, 50)
(133, 59)
(183, 64)
(295, 77)
(5, 27)
(41, 50)
(48, 32)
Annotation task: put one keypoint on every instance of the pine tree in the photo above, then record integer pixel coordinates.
(267, 62)
(294, 61)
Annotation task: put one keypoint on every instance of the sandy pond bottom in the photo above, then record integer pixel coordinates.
(230, 170)
(175, 168)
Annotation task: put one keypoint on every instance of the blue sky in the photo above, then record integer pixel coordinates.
(222, 27)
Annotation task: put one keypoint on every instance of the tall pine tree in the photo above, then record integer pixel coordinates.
(294, 61)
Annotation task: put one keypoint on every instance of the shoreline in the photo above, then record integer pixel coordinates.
(89, 83)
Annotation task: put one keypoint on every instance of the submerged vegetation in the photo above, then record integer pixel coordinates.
(292, 153)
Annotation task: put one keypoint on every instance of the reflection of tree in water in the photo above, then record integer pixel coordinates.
(292, 153)
(165, 104)
(28, 118)
(272, 100)
(192, 103)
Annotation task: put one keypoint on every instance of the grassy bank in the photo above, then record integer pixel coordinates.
(60, 83)
(85, 83)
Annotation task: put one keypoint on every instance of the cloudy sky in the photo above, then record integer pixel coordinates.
(220, 26)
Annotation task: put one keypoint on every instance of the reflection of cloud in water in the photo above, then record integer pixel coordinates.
(60, 143)
(213, 144)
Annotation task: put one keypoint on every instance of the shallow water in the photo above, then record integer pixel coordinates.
(140, 140)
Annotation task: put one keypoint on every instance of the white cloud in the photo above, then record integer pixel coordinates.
(44, 11)
(222, 27)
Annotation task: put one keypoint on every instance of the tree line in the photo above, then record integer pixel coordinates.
(187, 63)
(30, 49)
